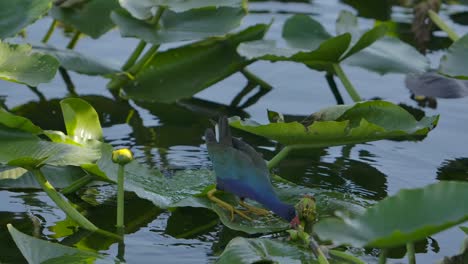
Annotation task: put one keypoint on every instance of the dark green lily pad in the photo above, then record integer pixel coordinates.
(426, 211)
(90, 17)
(454, 62)
(184, 71)
(78, 62)
(190, 25)
(19, 63)
(146, 9)
(36, 250)
(340, 125)
(16, 15)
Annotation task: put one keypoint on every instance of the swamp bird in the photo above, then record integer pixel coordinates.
(241, 170)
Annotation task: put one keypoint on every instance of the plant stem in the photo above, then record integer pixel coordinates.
(68, 81)
(442, 25)
(134, 56)
(140, 65)
(74, 40)
(278, 157)
(120, 197)
(76, 185)
(255, 79)
(383, 256)
(411, 253)
(50, 31)
(334, 88)
(37, 92)
(322, 259)
(61, 202)
(346, 257)
(346, 83)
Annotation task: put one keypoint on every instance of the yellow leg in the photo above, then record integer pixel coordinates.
(226, 206)
(253, 209)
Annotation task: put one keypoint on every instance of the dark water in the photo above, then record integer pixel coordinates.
(170, 136)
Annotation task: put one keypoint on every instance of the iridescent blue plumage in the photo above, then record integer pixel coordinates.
(242, 171)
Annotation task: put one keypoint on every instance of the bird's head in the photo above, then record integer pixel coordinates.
(293, 217)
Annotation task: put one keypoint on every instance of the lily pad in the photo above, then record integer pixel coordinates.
(19, 63)
(78, 62)
(194, 24)
(340, 125)
(145, 9)
(184, 71)
(453, 63)
(16, 15)
(81, 120)
(18, 122)
(426, 211)
(310, 44)
(36, 250)
(252, 250)
(188, 189)
(90, 17)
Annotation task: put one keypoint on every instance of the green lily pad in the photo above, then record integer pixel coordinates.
(426, 211)
(190, 25)
(18, 122)
(78, 62)
(252, 250)
(16, 15)
(36, 250)
(188, 189)
(453, 63)
(19, 63)
(147, 8)
(81, 120)
(19, 178)
(184, 71)
(340, 125)
(90, 17)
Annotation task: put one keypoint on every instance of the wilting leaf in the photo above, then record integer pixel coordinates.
(253, 250)
(182, 72)
(19, 178)
(190, 25)
(81, 120)
(453, 63)
(432, 84)
(362, 122)
(90, 17)
(426, 211)
(78, 62)
(36, 250)
(18, 63)
(188, 189)
(16, 15)
(145, 9)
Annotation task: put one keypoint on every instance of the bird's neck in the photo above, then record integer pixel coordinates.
(277, 206)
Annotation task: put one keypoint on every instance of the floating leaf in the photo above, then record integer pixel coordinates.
(362, 122)
(19, 178)
(145, 9)
(190, 25)
(433, 84)
(91, 17)
(78, 62)
(81, 120)
(188, 189)
(36, 250)
(18, 122)
(252, 250)
(16, 15)
(184, 71)
(453, 63)
(426, 211)
(19, 63)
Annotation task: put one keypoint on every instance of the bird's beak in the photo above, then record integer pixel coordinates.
(295, 222)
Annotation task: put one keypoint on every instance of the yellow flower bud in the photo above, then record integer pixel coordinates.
(122, 156)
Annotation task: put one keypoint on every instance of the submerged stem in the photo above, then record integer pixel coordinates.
(442, 25)
(120, 197)
(134, 56)
(346, 83)
(50, 31)
(411, 253)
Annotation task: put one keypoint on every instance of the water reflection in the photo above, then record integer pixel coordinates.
(453, 170)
